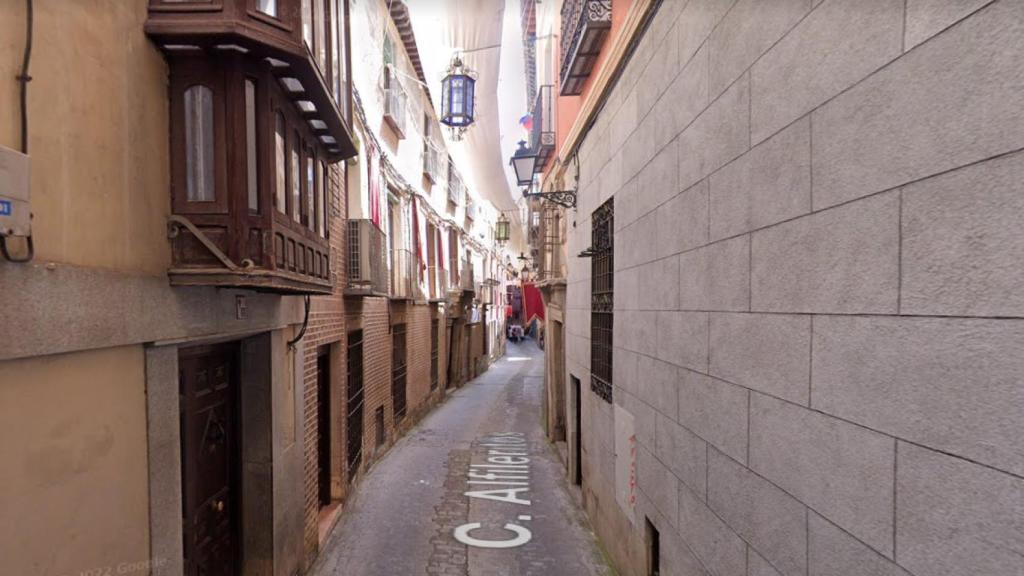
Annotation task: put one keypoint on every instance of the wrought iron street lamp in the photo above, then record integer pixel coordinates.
(524, 162)
(502, 230)
(526, 272)
(458, 92)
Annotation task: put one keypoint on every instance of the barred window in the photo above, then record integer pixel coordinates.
(602, 291)
(354, 423)
(399, 369)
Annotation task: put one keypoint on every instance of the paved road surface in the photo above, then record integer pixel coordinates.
(404, 513)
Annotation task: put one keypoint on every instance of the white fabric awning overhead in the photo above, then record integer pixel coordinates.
(487, 34)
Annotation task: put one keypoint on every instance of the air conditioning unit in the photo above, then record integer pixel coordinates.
(15, 210)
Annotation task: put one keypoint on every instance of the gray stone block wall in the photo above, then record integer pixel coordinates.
(819, 288)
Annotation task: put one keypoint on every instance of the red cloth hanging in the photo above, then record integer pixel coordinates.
(373, 184)
(442, 265)
(420, 256)
(533, 303)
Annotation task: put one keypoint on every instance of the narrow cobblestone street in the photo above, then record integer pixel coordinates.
(261, 262)
(402, 517)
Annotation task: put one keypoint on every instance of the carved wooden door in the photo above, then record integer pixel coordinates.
(208, 384)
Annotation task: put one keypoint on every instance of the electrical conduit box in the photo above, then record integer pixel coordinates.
(15, 212)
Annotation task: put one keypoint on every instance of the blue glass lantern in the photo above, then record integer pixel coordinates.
(457, 95)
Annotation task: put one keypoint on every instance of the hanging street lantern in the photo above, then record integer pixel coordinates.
(458, 90)
(502, 230)
(523, 162)
(527, 272)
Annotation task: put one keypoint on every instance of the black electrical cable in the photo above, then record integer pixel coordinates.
(305, 324)
(30, 249)
(23, 79)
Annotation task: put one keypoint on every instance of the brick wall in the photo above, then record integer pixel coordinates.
(442, 349)
(817, 290)
(371, 315)
(326, 327)
(418, 391)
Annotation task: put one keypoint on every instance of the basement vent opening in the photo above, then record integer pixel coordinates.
(653, 549)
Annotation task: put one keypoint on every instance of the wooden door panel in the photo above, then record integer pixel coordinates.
(323, 384)
(208, 384)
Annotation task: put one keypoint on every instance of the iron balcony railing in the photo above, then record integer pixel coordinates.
(484, 292)
(445, 282)
(418, 281)
(431, 162)
(550, 264)
(367, 250)
(455, 188)
(534, 230)
(403, 274)
(529, 27)
(542, 135)
(550, 243)
(437, 282)
(585, 25)
(466, 276)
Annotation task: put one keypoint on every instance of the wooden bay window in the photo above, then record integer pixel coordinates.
(295, 197)
(280, 170)
(268, 7)
(308, 218)
(251, 147)
(222, 186)
(258, 109)
(321, 187)
(339, 65)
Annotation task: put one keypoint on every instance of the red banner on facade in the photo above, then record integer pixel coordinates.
(418, 234)
(533, 304)
(373, 183)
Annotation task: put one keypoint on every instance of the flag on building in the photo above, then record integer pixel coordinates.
(527, 122)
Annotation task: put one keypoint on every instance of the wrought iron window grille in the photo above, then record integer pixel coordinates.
(602, 300)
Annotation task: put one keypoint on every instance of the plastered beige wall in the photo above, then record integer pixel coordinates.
(98, 131)
(74, 473)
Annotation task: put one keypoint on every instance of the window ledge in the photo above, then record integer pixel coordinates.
(259, 280)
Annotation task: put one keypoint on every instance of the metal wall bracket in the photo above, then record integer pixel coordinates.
(175, 222)
(566, 198)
